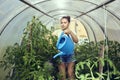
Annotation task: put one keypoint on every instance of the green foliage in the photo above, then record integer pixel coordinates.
(86, 50)
(30, 59)
(87, 66)
(114, 53)
(88, 61)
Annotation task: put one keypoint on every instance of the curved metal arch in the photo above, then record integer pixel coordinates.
(36, 8)
(85, 29)
(16, 16)
(84, 20)
(43, 2)
(54, 15)
(50, 20)
(81, 12)
(96, 5)
(47, 1)
(91, 29)
(11, 20)
(61, 14)
(90, 3)
(86, 15)
(113, 14)
(54, 10)
(74, 0)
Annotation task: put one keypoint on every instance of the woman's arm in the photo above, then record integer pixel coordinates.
(74, 37)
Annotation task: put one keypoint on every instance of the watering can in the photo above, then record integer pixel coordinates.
(65, 45)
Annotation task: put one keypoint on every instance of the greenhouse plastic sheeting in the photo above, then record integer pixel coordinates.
(101, 18)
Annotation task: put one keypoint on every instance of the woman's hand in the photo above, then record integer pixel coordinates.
(74, 37)
(67, 31)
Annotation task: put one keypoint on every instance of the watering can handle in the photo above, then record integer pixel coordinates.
(62, 33)
(59, 39)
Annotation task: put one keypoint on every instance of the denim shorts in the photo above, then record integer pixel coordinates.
(67, 58)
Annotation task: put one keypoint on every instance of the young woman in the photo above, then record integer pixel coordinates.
(67, 61)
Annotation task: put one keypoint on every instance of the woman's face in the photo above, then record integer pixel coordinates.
(64, 24)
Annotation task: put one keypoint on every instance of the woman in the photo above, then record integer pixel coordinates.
(67, 61)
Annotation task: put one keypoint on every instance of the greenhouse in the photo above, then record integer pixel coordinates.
(30, 31)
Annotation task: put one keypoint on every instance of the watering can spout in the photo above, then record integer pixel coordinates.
(59, 54)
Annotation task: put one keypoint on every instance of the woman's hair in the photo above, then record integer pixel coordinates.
(66, 17)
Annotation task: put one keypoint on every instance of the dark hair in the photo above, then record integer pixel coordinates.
(66, 17)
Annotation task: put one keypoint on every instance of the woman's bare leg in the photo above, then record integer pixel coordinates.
(71, 70)
(62, 70)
